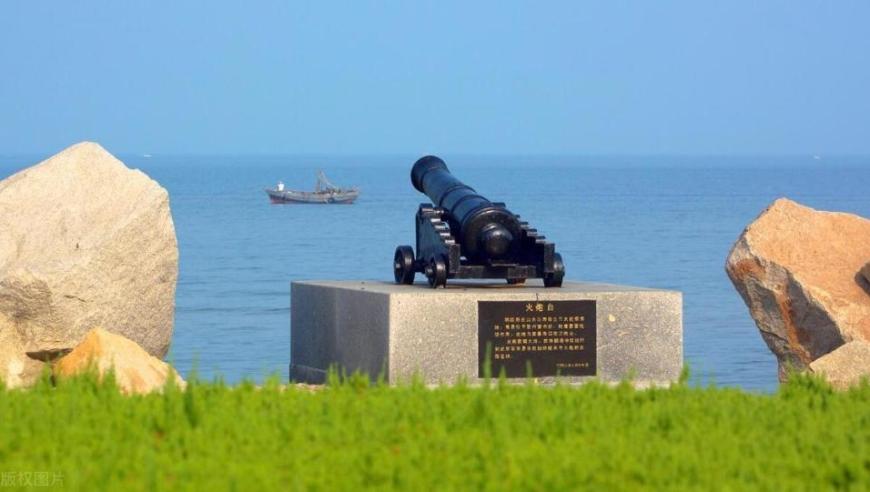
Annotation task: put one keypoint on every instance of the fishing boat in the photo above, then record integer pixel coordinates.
(324, 192)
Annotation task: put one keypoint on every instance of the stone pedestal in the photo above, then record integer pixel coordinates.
(609, 332)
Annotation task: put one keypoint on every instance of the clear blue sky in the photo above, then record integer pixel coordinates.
(777, 77)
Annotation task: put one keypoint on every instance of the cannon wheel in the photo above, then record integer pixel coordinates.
(403, 265)
(436, 273)
(555, 279)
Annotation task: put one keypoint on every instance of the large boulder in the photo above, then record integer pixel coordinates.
(798, 270)
(134, 369)
(84, 242)
(846, 366)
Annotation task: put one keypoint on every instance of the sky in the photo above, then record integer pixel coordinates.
(356, 77)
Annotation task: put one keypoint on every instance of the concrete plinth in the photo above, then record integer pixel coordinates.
(398, 331)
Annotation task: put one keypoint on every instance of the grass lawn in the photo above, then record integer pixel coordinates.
(352, 435)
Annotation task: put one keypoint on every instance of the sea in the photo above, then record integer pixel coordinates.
(656, 221)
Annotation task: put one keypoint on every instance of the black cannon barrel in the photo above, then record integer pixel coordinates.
(486, 231)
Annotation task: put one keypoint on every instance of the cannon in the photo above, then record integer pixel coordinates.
(464, 235)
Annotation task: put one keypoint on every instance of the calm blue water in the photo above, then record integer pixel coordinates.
(650, 221)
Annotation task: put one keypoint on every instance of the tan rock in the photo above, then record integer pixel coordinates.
(135, 370)
(797, 269)
(86, 242)
(16, 368)
(845, 366)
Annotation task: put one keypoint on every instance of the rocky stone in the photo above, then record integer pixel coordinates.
(135, 370)
(845, 366)
(84, 242)
(798, 270)
(865, 272)
(16, 368)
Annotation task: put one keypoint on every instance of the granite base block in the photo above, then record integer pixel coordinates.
(399, 331)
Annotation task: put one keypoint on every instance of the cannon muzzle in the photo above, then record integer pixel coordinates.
(485, 230)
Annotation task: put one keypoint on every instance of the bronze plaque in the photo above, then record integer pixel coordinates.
(548, 337)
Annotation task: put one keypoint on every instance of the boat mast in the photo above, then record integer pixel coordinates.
(323, 184)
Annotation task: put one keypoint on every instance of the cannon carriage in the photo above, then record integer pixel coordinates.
(466, 236)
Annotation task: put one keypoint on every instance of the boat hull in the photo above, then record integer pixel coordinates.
(323, 198)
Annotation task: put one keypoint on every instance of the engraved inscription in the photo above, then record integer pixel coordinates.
(548, 338)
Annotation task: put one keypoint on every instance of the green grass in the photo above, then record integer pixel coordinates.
(354, 435)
